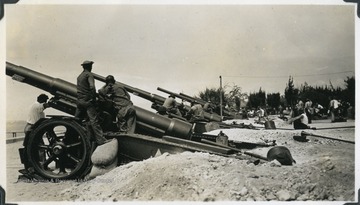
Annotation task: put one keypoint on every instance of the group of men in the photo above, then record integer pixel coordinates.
(305, 112)
(86, 109)
(125, 111)
(110, 92)
(117, 96)
(195, 113)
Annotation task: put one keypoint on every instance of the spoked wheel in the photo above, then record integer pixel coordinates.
(59, 149)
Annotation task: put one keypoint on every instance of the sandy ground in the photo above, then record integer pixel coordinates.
(324, 171)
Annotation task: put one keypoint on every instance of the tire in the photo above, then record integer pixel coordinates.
(59, 149)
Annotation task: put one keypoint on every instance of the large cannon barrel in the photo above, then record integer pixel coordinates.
(176, 95)
(201, 101)
(138, 92)
(39, 80)
(156, 98)
(67, 92)
(210, 116)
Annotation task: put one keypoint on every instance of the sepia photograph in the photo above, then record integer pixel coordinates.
(194, 102)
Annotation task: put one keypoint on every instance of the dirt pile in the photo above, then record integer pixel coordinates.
(324, 171)
(205, 177)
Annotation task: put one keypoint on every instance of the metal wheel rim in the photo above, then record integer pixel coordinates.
(58, 155)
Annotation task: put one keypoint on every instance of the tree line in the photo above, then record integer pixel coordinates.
(235, 99)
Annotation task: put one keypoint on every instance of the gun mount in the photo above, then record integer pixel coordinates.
(60, 147)
(64, 140)
(65, 100)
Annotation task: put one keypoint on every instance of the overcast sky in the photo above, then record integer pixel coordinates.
(182, 48)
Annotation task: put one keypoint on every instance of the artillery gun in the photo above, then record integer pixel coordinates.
(216, 108)
(59, 147)
(207, 115)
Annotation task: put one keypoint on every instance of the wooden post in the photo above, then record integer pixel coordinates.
(221, 111)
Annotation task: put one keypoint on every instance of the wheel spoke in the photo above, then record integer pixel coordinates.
(73, 145)
(62, 165)
(41, 146)
(51, 136)
(49, 160)
(73, 158)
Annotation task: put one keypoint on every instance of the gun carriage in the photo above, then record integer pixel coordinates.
(60, 146)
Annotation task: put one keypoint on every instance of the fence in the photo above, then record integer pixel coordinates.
(14, 134)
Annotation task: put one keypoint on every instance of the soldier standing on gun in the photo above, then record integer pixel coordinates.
(126, 113)
(86, 105)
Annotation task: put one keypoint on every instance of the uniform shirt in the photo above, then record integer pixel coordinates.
(36, 113)
(117, 94)
(304, 119)
(334, 103)
(207, 106)
(86, 86)
(197, 110)
(308, 104)
(318, 108)
(300, 105)
(169, 103)
(261, 112)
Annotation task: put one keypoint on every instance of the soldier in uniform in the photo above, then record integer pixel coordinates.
(170, 105)
(196, 112)
(86, 105)
(126, 113)
(208, 107)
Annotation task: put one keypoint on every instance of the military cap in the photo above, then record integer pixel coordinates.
(109, 79)
(87, 62)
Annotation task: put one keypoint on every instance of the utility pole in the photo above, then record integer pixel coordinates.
(221, 111)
